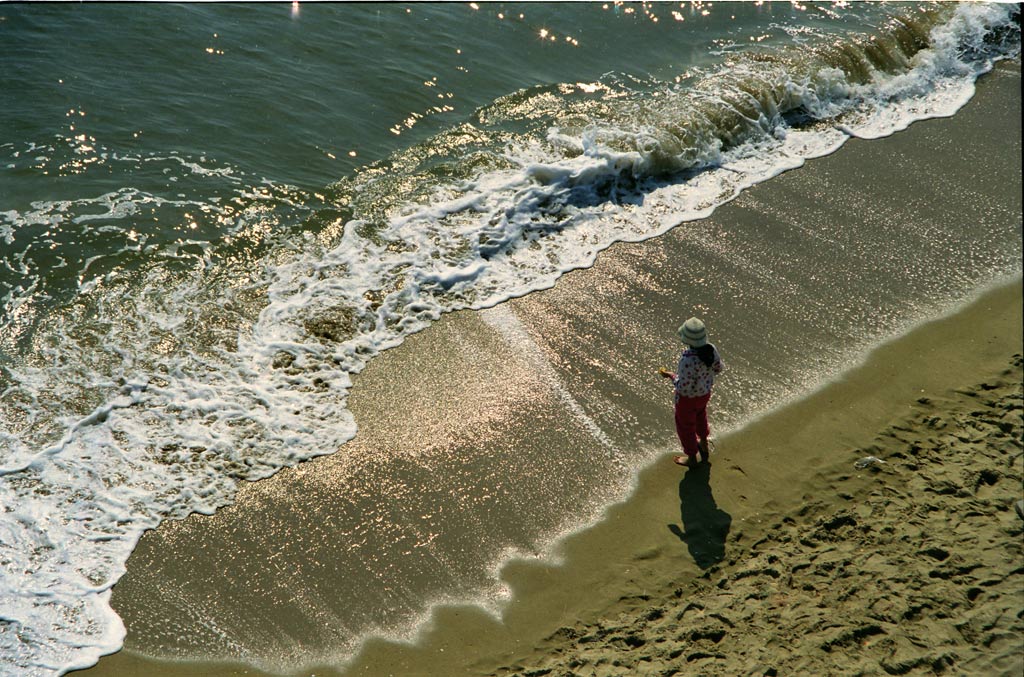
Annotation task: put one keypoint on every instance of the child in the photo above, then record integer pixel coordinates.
(693, 380)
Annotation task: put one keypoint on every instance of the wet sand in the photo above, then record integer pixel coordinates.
(781, 556)
(778, 480)
(643, 549)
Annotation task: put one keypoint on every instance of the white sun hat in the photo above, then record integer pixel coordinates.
(693, 333)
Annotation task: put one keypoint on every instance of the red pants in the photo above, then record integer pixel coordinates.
(692, 421)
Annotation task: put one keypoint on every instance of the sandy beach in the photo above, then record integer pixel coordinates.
(841, 572)
(910, 565)
(780, 557)
(907, 562)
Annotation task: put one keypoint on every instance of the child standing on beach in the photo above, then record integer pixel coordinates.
(693, 380)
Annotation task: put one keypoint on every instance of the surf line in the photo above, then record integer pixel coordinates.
(503, 319)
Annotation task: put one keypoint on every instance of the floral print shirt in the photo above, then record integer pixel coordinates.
(692, 377)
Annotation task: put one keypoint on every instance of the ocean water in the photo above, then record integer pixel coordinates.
(211, 217)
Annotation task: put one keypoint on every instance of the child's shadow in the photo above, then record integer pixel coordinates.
(705, 525)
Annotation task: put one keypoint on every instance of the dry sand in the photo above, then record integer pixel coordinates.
(918, 568)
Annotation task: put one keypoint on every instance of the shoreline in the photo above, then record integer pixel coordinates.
(461, 636)
(467, 640)
(627, 553)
